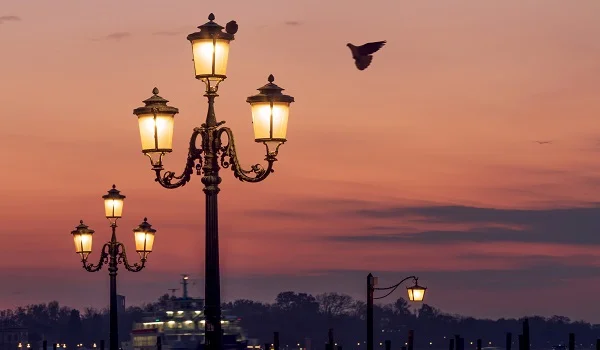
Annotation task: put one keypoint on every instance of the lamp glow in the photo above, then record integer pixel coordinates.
(156, 123)
(82, 237)
(416, 292)
(270, 113)
(210, 49)
(144, 239)
(113, 204)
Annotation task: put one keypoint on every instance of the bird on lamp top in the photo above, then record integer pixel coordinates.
(231, 27)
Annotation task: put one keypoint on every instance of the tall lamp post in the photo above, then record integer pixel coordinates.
(113, 252)
(270, 111)
(415, 293)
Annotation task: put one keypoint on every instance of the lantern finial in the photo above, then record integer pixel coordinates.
(211, 17)
(271, 78)
(155, 91)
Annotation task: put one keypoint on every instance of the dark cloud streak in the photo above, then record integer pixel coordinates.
(564, 225)
(9, 19)
(167, 33)
(117, 36)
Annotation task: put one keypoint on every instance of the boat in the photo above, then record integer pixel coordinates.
(180, 326)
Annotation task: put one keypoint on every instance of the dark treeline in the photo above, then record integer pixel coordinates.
(297, 316)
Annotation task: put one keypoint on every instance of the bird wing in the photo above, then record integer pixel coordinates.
(370, 48)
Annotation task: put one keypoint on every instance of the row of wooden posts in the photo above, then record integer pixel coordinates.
(457, 343)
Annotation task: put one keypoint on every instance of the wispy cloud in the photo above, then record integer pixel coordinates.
(577, 225)
(167, 33)
(293, 23)
(9, 19)
(117, 36)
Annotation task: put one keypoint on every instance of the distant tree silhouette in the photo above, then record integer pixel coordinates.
(297, 316)
(335, 304)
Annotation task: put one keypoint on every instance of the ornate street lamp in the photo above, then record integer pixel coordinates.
(415, 293)
(113, 252)
(270, 112)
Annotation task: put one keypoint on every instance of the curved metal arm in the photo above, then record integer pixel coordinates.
(395, 286)
(194, 154)
(122, 259)
(229, 158)
(103, 260)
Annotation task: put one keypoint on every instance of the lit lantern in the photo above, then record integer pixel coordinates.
(416, 292)
(82, 236)
(270, 112)
(113, 204)
(210, 47)
(144, 238)
(156, 121)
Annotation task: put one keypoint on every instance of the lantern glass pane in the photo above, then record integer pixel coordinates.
(83, 244)
(156, 133)
(261, 120)
(113, 208)
(144, 242)
(203, 50)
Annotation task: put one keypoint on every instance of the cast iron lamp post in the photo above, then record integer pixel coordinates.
(113, 252)
(415, 293)
(270, 111)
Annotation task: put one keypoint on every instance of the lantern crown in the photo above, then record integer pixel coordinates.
(145, 227)
(210, 30)
(82, 229)
(113, 193)
(270, 92)
(155, 104)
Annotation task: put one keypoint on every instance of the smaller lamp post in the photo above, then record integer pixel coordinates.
(113, 252)
(415, 293)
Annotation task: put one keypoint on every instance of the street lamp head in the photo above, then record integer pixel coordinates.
(416, 292)
(270, 112)
(210, 48)
(144, 238)
(156, 121)
(113, 204)
(82, 235)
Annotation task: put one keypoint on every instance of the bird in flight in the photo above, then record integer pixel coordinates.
(363, 55)
(231, 27)
(544, 142)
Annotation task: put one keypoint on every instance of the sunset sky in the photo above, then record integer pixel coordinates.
(425, 163)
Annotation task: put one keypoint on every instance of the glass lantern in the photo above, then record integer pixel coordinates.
(270, 113)
(82, 237)
(156, 121)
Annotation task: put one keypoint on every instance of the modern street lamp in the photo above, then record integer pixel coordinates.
(113, 252)
(270, 112)
(415, 293)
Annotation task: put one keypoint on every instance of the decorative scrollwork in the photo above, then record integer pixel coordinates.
(194, 156)
(122, 258)
(229, 159)
(103, 260)
(394, 287)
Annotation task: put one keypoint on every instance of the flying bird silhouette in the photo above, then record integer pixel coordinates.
(363, 55)
(544, 142)
(231, 27)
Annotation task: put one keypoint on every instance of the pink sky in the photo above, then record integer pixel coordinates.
(447, 114)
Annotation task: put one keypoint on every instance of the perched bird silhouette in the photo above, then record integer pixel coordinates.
(363, 54)
(231, 27)
(544, 142)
